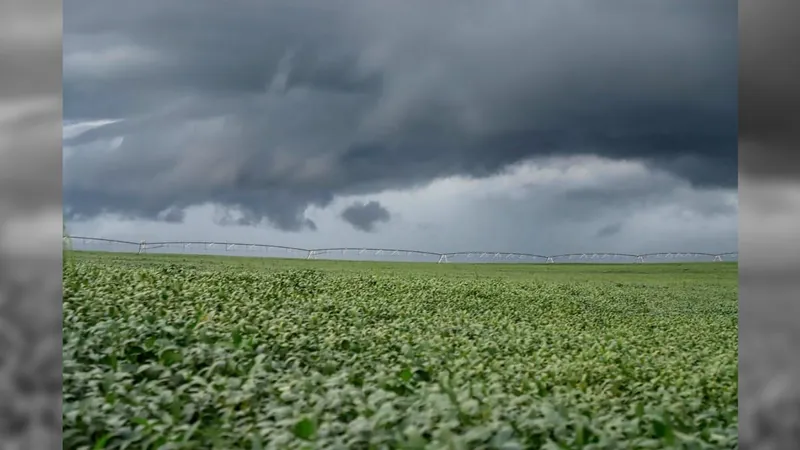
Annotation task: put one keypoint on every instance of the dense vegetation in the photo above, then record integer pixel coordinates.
(168, 352)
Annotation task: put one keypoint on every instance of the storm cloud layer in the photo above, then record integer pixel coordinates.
(768, 69)
(267, 108)
(365, 216)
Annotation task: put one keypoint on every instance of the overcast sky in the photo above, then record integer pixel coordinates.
(768, 140)
(543, 127)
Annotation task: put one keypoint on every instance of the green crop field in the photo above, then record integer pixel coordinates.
(186, 352)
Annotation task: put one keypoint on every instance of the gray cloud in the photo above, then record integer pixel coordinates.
(267, 108)
(609, 230)
(523, 210)
(30, 107)
(364, 216)
(172, 215)
(769, 67)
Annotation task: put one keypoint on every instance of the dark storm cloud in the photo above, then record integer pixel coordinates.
(269, 107)
(364, 216)
(769, 68)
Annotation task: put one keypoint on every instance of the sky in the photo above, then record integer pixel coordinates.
(30, 116)
(545, 127)
(769, 164)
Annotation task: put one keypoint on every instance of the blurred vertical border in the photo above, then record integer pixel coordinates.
(30, 224)
(769, 228)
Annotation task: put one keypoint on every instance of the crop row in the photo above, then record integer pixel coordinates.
(169, 357)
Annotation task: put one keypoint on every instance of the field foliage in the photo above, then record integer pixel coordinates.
(169, 353)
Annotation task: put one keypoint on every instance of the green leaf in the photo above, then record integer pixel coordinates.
(169, 357)
(305, 429)
(406, 374)
(101, 443)
(639, 411)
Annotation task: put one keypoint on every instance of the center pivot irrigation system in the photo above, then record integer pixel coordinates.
(142, 247)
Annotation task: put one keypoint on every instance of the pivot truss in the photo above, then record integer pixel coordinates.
(83, 242)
